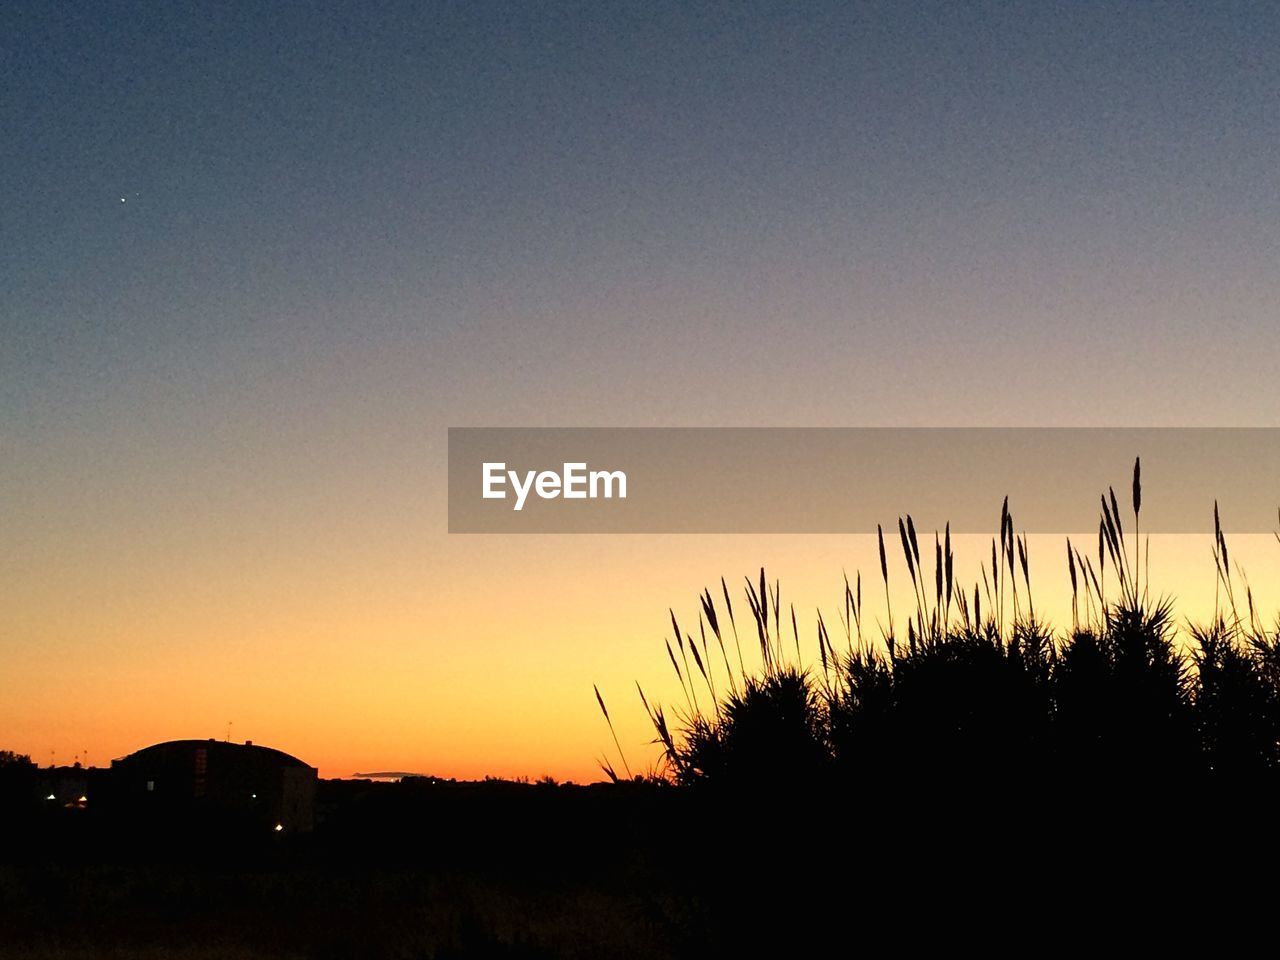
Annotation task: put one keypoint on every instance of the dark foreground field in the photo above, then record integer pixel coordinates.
(413, 870)
(442, 870)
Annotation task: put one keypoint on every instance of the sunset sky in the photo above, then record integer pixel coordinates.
(256, 259)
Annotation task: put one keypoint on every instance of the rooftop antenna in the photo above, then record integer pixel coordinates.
(229, 731)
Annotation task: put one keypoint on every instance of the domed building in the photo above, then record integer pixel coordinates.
(216, 778)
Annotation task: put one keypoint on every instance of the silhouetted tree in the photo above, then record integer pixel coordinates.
(17, 779)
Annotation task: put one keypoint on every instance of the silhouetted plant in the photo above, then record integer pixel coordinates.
(860, 715)
(981, 691)
(1122, 696)
(1237, 706)
(773, 729)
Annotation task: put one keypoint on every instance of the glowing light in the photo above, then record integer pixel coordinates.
(279, 827)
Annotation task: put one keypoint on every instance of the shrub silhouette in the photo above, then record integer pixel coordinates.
(1122, 698)
(980, 696)
(770, 729)
(969, 704)
(1237, 702)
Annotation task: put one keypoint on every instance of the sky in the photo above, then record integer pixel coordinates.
(258, 258)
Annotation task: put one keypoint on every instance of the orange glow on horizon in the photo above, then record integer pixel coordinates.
(486, 672)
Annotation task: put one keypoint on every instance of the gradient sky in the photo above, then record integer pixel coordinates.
(346, 227)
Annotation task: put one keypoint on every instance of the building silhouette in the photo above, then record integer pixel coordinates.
(216, 779)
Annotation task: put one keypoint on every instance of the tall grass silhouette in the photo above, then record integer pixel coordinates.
(980, 690)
